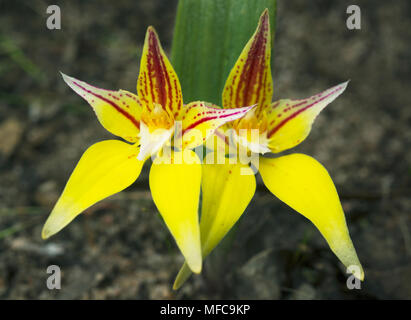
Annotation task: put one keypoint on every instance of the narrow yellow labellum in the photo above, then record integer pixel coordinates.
(105, 168)
(305, 185)
(175, 188)
(227, 190)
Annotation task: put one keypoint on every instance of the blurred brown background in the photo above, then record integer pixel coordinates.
(120, 248)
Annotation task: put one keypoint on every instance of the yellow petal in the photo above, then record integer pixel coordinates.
(200, 121)
(158, 82)
(182, 276)
(226, 192)
(290, 121)
(105, 168)
(305, 185)
(250, 80)
(118, 111)
(227, 189)
(175, 188)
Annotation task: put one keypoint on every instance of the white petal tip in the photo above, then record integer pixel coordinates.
(45, 234)
(345, 84)
(196, 267)
(50, 229)
(193, 257)
(66, 78)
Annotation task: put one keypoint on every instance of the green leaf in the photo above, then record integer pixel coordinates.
(208, 38)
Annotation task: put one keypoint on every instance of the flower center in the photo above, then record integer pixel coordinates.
(251, 132)
(157, 126)
(157, 118)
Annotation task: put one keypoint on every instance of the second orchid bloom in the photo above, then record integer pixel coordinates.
(296, 179)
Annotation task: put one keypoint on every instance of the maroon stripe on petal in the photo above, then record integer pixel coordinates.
(202, 120)
(114, 105)
(252, 76)
(282, 123)
(158, 70)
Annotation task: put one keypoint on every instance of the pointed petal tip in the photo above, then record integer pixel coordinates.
(339, 88)
(69, 80)
(264, 18)
(182, 276)
(191, 250)
(362, 276)
(151, 34)
(151, 31)
(45, 234)
(65, 77)
(345, 84)
(358, 269)
(195, 262)
(53, 224)
(51, 227)
(196, 268)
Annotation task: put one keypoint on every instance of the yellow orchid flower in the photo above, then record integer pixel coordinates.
(297, 179)
(148, 121)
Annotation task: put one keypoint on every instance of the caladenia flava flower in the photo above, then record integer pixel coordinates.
(149, 121)
(296, 179)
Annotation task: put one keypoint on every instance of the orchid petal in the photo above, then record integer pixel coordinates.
(305, 185)
(290, 121)
(105, 168)
(175, 188)
(158, 82)
(227, 190)
(118, 111)
(200, 121)
(250, 81)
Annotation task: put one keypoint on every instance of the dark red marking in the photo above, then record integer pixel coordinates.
(252, 76)
(282, 123)
(123, 112)
(162, 92)
(195, 124)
